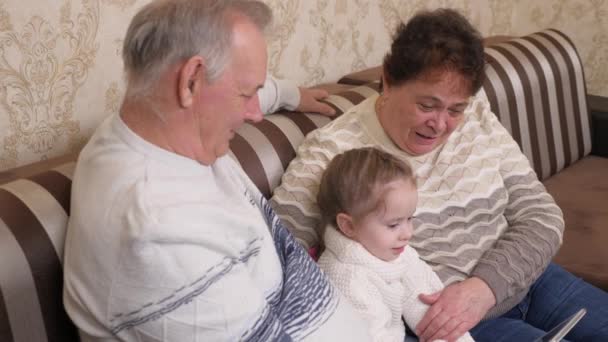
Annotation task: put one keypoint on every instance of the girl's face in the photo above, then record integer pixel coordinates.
(386, 231)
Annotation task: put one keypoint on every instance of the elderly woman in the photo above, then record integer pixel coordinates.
(484, 222)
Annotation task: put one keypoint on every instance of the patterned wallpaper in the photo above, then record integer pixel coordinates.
(61, 72)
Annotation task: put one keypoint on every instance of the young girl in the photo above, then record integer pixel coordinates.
(367, 200)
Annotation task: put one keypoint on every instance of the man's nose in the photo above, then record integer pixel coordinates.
(253, 112)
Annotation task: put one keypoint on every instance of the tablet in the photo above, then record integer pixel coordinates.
(556, 334)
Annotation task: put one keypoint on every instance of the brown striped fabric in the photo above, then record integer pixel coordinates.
(362, 77)
(5, 328)
(33, 222)
(536, 87)
(57, 184)
(265, 149)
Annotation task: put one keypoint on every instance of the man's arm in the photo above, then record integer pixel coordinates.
(182, 277)
(285, 94)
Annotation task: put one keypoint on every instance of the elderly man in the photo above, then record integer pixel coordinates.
(168, 239)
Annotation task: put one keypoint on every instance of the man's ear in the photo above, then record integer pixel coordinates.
(191, 77)
(345, 225)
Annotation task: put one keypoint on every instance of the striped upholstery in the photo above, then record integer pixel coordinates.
(535, 85)
(265, 149)
(33, 218)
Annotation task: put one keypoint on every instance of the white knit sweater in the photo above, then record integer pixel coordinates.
(381, 291)
(162, 248)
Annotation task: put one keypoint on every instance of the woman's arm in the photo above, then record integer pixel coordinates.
(535, 226)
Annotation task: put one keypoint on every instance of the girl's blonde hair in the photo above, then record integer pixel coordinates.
(352, 181)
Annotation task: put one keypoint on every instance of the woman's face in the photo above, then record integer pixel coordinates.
(420, 114)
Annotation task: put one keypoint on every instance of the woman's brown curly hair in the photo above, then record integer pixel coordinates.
(433, 40)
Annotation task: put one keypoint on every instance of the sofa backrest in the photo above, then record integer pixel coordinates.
(533, 83)
(536, 86)
(33, 220)
(264, 149)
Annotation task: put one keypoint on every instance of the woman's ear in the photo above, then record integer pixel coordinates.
(345, 225)
(190, 80)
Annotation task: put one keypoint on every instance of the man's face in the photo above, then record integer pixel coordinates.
(421, 114)
(227, 102)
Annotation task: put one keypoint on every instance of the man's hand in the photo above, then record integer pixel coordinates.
(455, 310)
(309, 102)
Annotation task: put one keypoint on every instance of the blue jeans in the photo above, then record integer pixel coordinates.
(556, 295)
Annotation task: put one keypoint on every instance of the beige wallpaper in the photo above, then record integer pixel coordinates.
(60, 66)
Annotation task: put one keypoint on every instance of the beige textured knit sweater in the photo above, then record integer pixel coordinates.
(382, 291)
(481, 211)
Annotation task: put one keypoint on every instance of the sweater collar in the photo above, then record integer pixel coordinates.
(348, 251)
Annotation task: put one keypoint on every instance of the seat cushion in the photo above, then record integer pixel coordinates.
(581, 190)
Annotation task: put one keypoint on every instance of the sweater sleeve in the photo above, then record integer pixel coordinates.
(277, 94)
(180, 278)
(535, 224)
(419, 278)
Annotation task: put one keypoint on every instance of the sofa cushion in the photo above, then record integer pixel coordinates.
(33, 223)
(581, 190)
(264, 149)
(535, 85)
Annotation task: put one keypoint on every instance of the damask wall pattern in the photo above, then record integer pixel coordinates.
(61, 71)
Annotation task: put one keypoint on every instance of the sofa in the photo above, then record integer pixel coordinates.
(535, 85)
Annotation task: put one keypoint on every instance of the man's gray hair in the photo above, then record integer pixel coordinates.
(165, 32)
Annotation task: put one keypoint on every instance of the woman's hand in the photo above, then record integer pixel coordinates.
(455, 310)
